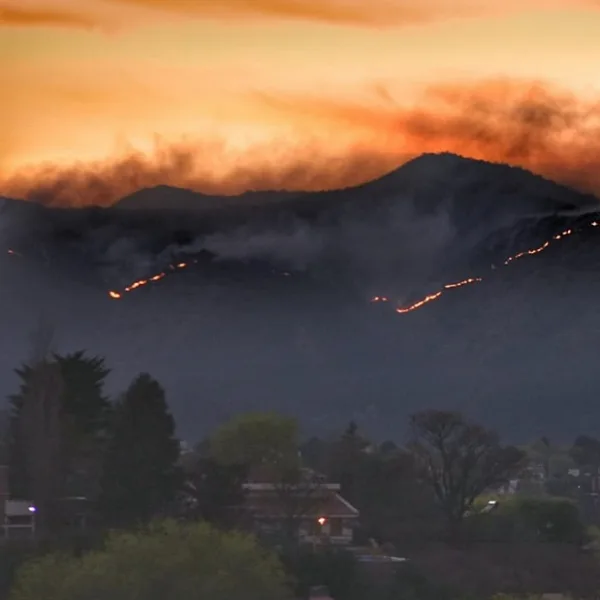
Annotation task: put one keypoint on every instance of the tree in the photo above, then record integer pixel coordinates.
(85, 422)
(34, 430)
(461, 460)
(550, 519)
(348, 455)
(336, 569)
(59, 417)
(141, 476)
(167, 560)
(256, 439)
(266, 444)
(586, 453)
(381, 481)
(35, 445)
(214, 491)
(543, 449)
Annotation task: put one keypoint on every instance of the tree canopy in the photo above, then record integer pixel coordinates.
(460, 459)
(167, 560)
(255, 439)
(58, 424)
(141, 476)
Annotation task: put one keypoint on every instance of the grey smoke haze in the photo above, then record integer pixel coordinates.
(517, 352)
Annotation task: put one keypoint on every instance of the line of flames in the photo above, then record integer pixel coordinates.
(471, 280)
(116, 295)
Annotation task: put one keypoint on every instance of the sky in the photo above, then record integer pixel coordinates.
(103, 97)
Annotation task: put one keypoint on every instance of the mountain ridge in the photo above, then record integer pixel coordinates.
(278, 313)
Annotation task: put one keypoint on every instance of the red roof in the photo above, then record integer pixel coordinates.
(275, 505)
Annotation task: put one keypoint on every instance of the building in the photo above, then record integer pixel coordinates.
(310, 508)
(18, 516)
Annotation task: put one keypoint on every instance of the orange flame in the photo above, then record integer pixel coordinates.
(143, 282)
(471, 280)
(420, 303)
(116, 295)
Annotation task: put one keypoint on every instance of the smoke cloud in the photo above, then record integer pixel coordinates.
(529, 124)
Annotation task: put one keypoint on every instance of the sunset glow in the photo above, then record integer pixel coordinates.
(232, 95)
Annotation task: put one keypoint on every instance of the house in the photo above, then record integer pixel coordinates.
(18, 516)
(310, 507)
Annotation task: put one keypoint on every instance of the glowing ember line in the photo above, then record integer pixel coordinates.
(143, 282)
(420, 303)
(116, 295)
(449, 286)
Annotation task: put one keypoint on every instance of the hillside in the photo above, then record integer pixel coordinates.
(276, 311)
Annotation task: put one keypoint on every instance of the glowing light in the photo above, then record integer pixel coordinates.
(321, 521)
(117, 295)
(420, 303)
(471, 280)
(451, 286)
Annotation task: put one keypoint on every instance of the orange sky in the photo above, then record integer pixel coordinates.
(222, 95)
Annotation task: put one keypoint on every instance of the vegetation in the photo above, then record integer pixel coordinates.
(461, 460)
(141, 477)
(167, 560)
(162, 523)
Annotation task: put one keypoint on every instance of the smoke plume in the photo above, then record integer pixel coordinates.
(529, 124)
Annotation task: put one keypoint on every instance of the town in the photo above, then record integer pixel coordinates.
(99, 494)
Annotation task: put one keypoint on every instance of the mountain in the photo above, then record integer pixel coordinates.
(473, 189)
(274, 310)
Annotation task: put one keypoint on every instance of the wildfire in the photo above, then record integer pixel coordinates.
(117, 295)
(471, 280)
(420, 303)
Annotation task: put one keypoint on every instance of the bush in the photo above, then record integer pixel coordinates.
(554, 520)
(166, 560)
(337, 569)
(529, 520)
(412, 583)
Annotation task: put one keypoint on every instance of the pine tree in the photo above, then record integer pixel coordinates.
(141, 476)
(58, 423)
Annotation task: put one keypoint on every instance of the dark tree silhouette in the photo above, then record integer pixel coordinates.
(586, 452)
(48, 441)
(461, 460)
(76, 411)
(214, 491)
(141, 476)
(35, 440)
(347, 457)
(85, 422)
